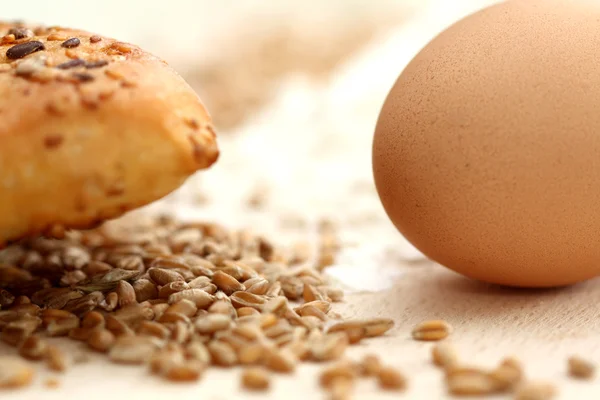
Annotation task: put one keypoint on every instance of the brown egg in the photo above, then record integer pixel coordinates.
(486, 154)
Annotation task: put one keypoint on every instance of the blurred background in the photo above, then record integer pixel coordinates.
(294, 87)
(237, 52)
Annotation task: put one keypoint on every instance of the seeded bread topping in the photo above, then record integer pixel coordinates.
(70, 43)
(20, 33)
(21, 42)
(91, 128)
(24, 49)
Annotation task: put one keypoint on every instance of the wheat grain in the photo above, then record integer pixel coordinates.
(431, 330)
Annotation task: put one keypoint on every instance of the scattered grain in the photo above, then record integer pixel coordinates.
(6, 298)
(15, 332)
(117, 327)
(431, 330)
(536, 391)
(162, 276)
(255, 378)
(52, 314)
(159, 309)
(52, 383)
(250, 331)
(364, 328)
(96, 267)
(101, 340)
(258, 197)
(82, 305)
(174, 287)
(227, 283)
(283, 361)
(152, 328)
(14, 373)
(391, 379)
(444, 355)
(259, 286)
(222, 307)
(199, 297)
(61, 327)
(185, 307)
(311, 293)
(274, 289)
(311, 322)
(343, 369)
(110, 302)
(132, 349)
(251, 354)
(370, 365)
(222, 354)
(33, 348)
(126, 293)
(197, 351)
(188, 371)
(341, 389)
(245, 299)
(181, 296)
(508, 375)
(280, 328)
(164, 359)
(212, 323)
(328, 347)
(81, 334)
(334, 294)
(173, 317)
(23, 307)
(56, 359)
(466, 381)
(580, 368)
(247, 311)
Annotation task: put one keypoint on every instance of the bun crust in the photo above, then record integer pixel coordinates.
(90, 128)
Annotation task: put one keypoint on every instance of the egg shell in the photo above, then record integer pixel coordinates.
(486, 155)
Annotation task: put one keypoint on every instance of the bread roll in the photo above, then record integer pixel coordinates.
(90, 128)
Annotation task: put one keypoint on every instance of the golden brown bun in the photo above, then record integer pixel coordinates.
(83, 142)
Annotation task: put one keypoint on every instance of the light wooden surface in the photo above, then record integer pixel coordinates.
(542, 328)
